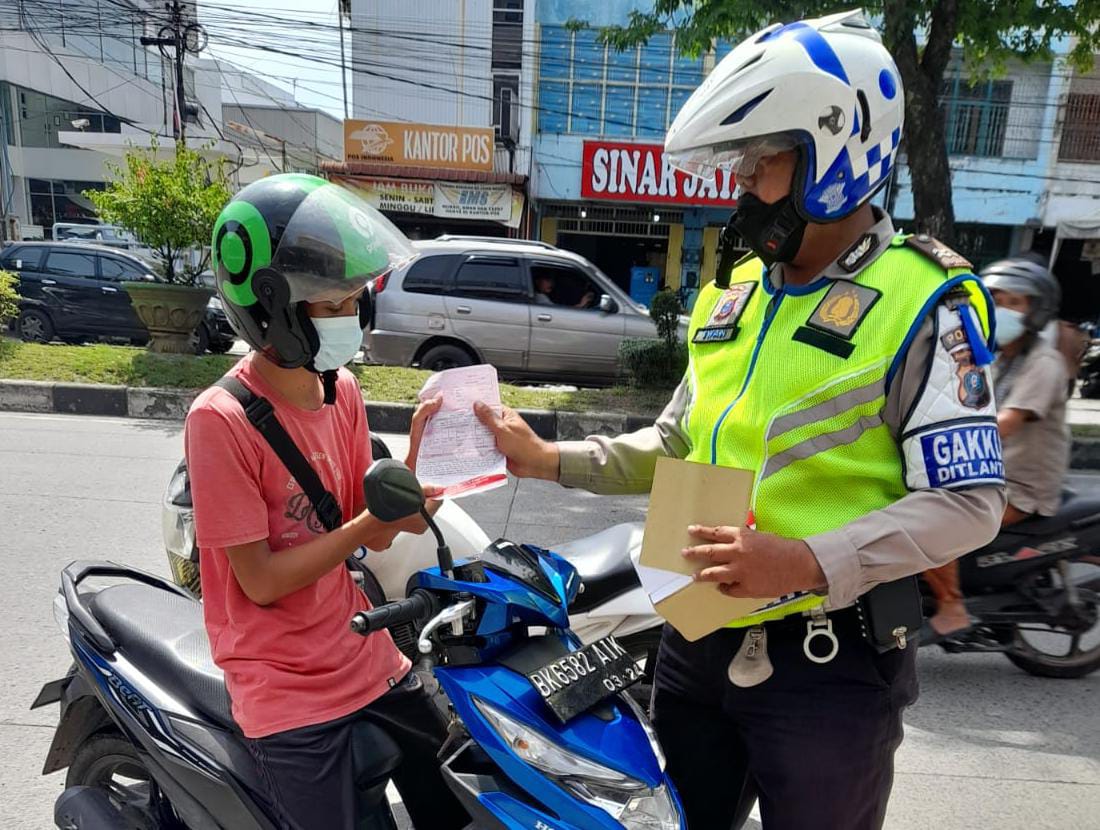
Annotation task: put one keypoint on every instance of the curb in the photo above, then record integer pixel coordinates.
(172, 405)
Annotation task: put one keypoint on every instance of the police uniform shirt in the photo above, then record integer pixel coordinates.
(928, 527)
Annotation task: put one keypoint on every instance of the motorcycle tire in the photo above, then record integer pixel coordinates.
(1077, 662)
(1039, 664)
(105, 757)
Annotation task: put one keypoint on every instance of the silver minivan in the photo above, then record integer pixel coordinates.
(528, 308)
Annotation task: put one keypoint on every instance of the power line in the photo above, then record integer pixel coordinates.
(248, 120)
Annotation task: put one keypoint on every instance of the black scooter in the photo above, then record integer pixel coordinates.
(1034, 592)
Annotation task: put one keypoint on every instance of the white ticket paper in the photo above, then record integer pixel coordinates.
(458, 452)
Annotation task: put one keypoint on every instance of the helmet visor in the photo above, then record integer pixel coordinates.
(334, 244)
(738, 157)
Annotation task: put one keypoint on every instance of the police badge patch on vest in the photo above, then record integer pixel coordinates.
(843, 308)
(722, 324)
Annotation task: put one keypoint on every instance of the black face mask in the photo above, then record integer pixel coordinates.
(774, 232)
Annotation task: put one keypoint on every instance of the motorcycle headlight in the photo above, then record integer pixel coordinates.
(630, 802)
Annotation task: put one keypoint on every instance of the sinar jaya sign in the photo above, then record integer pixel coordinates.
(639, 173)
(422, 145)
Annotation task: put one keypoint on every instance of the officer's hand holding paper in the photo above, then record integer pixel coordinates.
(458, 452)
(686, 493)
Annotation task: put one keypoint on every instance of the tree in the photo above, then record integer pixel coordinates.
(920, 34)
(9, 297)
(170, 205)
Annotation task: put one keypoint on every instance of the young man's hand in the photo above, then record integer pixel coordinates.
(424, 411)
(528, 455)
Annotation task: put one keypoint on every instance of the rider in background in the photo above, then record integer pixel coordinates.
(1030, 380)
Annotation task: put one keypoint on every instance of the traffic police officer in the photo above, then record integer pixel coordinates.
(846, 365)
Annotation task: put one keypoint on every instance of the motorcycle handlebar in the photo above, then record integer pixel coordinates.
(420, 604)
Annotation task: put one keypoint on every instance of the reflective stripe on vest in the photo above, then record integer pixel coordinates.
(793, 387)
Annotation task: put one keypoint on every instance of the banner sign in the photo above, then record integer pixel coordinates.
(490, 202)
(420, 145)
(398, 196)
(639, 173)
(446, 200)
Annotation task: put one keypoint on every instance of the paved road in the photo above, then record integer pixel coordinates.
(987, 747)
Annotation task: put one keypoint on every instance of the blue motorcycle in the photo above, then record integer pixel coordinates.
(541, 736)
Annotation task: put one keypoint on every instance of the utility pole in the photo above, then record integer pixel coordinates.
(181, 39)
(343, 6)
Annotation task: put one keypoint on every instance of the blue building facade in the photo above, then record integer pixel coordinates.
(592, 102)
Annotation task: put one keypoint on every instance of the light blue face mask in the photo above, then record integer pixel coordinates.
(340, 339)
(1010, 325)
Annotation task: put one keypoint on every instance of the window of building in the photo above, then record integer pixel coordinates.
(975, 116)
(507, 59)
(588, 88)
(60, 201)
(42, 117)
(1080, 128)
(507, 34)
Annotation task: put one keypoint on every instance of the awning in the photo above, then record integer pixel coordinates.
(391, 171)
(1084, 228)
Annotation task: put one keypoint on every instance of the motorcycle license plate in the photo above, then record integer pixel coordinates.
(578, 681)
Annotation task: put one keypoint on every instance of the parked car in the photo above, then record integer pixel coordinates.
(95, 232)
(74, 293)
(468, 299)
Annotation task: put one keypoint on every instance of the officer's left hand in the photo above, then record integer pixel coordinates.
(750, 564)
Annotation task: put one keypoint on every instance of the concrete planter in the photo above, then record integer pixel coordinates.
(170, 312)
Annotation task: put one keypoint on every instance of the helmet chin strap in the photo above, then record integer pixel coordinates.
(328, 380)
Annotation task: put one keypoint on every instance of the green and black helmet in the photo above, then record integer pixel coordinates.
(290, 239)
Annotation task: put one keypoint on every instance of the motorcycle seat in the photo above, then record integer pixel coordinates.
(1077, 510)
(604, 564)
(163, 635)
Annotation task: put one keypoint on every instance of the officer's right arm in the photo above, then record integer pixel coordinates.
(624, 464)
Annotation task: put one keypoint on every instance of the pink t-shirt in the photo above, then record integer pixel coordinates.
(295, 662)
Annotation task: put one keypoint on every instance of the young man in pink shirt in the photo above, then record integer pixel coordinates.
(293, 255)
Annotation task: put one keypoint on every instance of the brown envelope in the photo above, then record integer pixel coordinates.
(684, 493)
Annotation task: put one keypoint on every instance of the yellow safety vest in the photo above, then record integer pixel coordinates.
(791, 384)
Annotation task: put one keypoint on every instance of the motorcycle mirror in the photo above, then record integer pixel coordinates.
(392, 491)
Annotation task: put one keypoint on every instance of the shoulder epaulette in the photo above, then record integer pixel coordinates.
(937, 252)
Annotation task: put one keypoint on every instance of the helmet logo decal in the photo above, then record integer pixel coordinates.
(362, 223)
(242, 245)
(831, 119)
(833, 197)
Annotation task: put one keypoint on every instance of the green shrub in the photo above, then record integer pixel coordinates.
(9, 297)
(651, 364)
(665, 312)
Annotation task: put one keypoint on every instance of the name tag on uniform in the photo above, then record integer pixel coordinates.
(715, 334)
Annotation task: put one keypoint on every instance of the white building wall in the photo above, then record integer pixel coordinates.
(430, 61)
(1073, 188)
